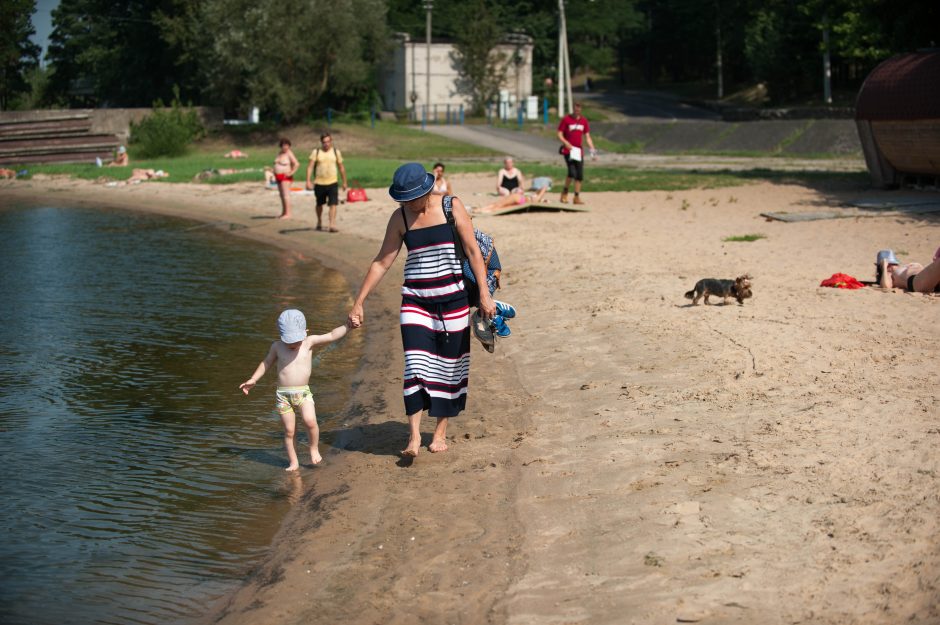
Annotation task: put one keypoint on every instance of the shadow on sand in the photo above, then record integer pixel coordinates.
(378, 439)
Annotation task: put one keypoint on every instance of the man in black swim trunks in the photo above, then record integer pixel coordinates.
(324, 162)
(573, 131)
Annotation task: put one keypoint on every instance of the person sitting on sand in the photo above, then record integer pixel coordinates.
(912, 277)
(509, 179)
(441, 186)
(293, 355)
(285, 165)
(540, 186)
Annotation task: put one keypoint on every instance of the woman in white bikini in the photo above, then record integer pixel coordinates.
(441, 186)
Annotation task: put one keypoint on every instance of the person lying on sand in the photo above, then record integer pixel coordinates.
(540, 186)
(912, 277)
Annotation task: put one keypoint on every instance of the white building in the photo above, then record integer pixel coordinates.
(405, 86)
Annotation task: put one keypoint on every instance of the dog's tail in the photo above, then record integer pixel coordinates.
(690, 294)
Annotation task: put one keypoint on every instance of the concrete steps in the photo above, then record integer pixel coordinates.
(54, 139)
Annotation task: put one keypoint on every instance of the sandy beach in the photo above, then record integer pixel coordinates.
(626, 457)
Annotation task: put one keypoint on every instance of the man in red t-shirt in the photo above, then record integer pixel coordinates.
(573, 131)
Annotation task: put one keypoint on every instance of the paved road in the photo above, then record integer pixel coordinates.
(527, 147)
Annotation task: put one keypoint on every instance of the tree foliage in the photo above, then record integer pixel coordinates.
(295, 57)
(18, 55)
(110, 52)
(286, 57)
(482, 68)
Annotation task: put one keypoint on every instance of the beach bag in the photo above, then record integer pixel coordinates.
(487, 249)
(356, 193)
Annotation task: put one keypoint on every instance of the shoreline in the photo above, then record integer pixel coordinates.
(377, 427)
(627, 457)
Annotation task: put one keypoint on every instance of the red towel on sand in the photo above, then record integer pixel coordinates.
(842, 281)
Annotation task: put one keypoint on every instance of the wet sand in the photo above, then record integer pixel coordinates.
(626, 457)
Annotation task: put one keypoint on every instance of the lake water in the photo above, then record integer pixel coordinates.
(138, 483)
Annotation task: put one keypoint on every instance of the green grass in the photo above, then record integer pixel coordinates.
(374, 154)
(403, 142)
(744, 238)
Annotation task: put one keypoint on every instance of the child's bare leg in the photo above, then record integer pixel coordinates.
(414, 439)
(289, 421)
(309, 413)
(439, 442)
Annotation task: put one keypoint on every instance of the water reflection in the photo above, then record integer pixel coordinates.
(138, 482)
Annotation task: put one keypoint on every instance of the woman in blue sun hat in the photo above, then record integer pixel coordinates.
(435, 313)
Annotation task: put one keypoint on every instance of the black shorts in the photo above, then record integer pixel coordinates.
(575, 168)
(326, 194)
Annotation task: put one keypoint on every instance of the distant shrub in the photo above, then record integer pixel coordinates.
(167, 131)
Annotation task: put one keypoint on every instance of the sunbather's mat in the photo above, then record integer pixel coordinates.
(533, 207)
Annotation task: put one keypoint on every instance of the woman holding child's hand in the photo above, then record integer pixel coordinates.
(435, 314)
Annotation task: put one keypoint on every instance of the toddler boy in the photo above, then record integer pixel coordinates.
(293, 354)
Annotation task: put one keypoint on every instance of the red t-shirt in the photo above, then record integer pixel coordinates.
(573, 129)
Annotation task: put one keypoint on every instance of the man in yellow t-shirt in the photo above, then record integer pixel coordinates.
(321, 177)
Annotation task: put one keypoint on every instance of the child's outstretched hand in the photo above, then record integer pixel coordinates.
(247, 386)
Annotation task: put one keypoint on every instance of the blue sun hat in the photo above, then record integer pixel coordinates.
(410, 182)
(887, 255)
(292, 326)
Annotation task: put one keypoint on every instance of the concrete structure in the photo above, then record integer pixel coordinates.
(73, 135)
(898, 118)
(404, 79)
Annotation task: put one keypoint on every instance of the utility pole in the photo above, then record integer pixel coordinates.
(564, 72)
(721, 84)
(827, 68)
(428, 5)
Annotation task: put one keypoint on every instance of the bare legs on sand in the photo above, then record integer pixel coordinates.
(332, 216)
(283, 188)
(438, 443)
(309, 415)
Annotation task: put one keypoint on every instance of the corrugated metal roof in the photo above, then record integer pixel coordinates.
(905, 87)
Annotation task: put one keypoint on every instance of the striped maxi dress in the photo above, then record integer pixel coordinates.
(435, 324)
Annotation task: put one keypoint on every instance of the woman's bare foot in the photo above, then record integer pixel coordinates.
(438, 445)
(411, 451)
(293, 467)
(284, 216)
(315, 456)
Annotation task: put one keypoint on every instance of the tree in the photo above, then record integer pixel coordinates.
(481, 67)
(290, 56)
(18, 55)
(110, 52)
(595, 31)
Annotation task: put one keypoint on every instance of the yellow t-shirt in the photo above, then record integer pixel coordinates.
(325, 165)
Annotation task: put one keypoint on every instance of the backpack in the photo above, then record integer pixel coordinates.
(487, 249)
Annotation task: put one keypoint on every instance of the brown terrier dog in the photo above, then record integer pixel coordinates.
(739, 288)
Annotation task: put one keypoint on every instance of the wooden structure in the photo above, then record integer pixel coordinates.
(63, 138)
(898, 118)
